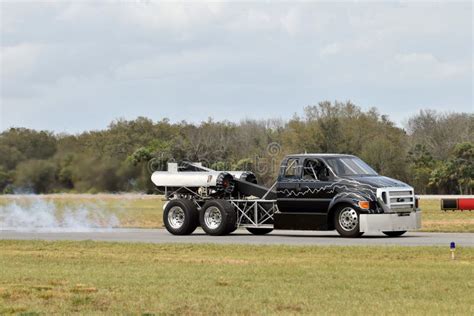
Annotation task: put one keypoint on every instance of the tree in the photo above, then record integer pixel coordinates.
(440, 132)
(421, 165)
(10, 156)
(327, 119)
(462, 165)
(35, 176)
(93, 174)
(20, 144)
(433, 154)
(5, 179)
(456, 174)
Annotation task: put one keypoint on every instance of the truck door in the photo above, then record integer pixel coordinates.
(316, 191)
(289, 184)
(303, 195)
(305, 186)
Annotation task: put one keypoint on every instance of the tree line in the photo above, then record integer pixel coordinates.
(434, 151)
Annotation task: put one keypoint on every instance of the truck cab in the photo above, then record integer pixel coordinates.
(342, 192)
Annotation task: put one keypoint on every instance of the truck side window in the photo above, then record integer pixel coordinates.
(309, 169)
(291, 169)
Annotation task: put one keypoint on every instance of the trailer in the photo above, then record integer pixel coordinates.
(312, 192)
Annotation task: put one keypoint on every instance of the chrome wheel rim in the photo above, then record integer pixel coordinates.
(212, 217)
(176, 217)
(348, 219)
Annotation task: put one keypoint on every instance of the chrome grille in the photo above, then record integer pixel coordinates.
(397, 199)
(401, 193)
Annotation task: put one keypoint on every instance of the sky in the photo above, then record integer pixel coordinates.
(75, 66)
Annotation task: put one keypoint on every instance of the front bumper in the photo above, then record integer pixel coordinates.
(376, 223)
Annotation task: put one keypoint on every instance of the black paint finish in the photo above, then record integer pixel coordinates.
(306, 201)
(300, 221)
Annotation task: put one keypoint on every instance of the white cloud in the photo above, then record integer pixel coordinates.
(331, 49)
(19, 60)
(428, 67)
(164, 65)
(292, 21)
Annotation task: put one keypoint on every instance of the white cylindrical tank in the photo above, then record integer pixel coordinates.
(207, 178)
(184, 179)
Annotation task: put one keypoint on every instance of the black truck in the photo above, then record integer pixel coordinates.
(312, 192)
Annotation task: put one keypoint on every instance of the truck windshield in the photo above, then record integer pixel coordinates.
(350, 166)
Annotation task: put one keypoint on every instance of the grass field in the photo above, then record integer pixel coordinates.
(91, 277)
(435, 220)
(146, 211)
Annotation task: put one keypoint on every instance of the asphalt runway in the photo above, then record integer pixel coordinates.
(279, 237)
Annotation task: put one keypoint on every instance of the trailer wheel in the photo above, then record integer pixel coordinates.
(259, 231)
(180, 217)
(395, 233)
(218, 217)
(346, 221)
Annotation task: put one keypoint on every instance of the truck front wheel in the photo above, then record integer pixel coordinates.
(347, 221)
(180, 217)
(218, 217)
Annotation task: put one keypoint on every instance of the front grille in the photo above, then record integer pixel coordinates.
(397, 199)
(401, 193)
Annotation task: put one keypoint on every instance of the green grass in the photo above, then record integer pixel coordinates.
(147, 211)
(110, 278)
(435, 220)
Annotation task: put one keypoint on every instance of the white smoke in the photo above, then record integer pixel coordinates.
(40, 214)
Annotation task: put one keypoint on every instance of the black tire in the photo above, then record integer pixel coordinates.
(259, 231)
(395, 233)
(218, 217)
(182, 210)
(346, 221)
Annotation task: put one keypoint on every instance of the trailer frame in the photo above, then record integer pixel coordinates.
(254, 212)
(251, 212)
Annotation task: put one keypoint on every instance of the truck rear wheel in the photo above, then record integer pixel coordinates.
(180, 217)
(259, 231)
(218, 217)
(395, 233)
(347, 221)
